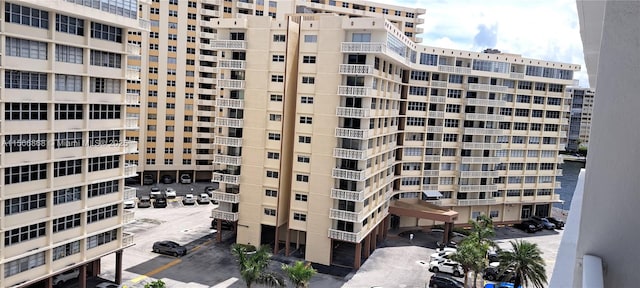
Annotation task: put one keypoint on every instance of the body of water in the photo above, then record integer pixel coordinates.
(569, 178)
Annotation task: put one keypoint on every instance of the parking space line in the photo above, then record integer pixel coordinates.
(226, 283)
(156, 271)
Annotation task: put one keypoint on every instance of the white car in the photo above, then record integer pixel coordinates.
(185, 179)
(170, 192)
(446, 266)
(128, 204)
(440, 256)
(203, 198)
(446, 249)
(65, 276)
(189, 199)
(155, 192)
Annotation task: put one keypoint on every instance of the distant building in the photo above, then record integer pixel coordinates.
(580, 117)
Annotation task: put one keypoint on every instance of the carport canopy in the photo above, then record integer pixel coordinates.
(413, 207)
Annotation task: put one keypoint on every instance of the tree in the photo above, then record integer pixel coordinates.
(471, 254)
(526, 262)
(155, 284)
(252, 263)
(481, 232)
(299, 273)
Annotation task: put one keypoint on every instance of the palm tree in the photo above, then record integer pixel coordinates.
(299, 274)
(470, 255)
(481, 232)
(252, 263)
(526, 263)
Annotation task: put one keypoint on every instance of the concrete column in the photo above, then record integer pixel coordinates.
(48, 283)
(82, 276)
(374, 239)
(379, 230)
(356, 261)
(219, 230)
(445, 236)
(385, 227)
(119, 267)
(367, 246)
(287, 243)
(276, 245)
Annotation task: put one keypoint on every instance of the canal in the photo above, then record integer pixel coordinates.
(569, 178)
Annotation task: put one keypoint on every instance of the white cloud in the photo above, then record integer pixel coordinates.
(541, 29)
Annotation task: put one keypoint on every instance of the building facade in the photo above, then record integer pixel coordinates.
(64, 71)
(580, 117)
(328, 123)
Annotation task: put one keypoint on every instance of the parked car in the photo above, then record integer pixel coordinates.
(440, 256)
(444, 281)
(144, 202)
(559, 223)
(226, 224)
(493, 273)
(189, 199)
(544, 222)
(65, 276)
(128, 204)
(166, 179)
(170, 192)
(203, 198)
(169, 247)
(446, 266)
(446, 249)
(209, 190)
(528, 226)
(155, 191)
(160, 202)
(493, 256)
(185, 179)
(500, 285)
(148, 180)
(450, 244)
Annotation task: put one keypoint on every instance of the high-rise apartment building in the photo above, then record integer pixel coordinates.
(178, 95)
(580, 117)
(327, 125)
(63, 123)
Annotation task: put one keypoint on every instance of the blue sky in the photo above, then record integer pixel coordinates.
(541, 29)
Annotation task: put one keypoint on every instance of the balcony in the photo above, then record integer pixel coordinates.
(229, 44)
(132, 99)
(355, 69)
(431, 129)
(346, 215)
(229, 122)
(483, 117)
(129, 193)
(144, 24)
(435, 114)
(482, 131)
(353, 91)
(230, 84)
(340, 194)
(133, 49)
(558, 185)
(130, 170)
(352, 112)
(351, 133)
(474, 202)
(485, 102)
(478, 174)
(127, 239)
(352, 237)
(437, 99)
(224, 215)
(244, 5)
(363, 47)
(131, 123)
(228, 160)
(228, 141)
(516, 75)
(128, 216)
(209, 12)
(130, 146)
(481, 160)
(487, 87)
(478, 188)
(225, 178)
(225, 197)
(230, 103)
(232, 64)
(438, 84)
(133, 73)
(483, 146)
(349, 154)
(349, 174)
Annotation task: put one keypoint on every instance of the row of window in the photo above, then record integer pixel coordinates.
(39, 111)
(35, 172)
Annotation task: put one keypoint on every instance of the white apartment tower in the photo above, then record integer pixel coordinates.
(580, 117)
(63, 122)
(331, 129)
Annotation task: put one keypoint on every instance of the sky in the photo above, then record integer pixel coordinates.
(539, 29)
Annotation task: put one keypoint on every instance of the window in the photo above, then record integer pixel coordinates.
(65, 168)
(274, 136)
(105, 59)
(272, 174)
(309, 59)
(304, 139)
(273, 155)
(306, 120)
(26, 48)
(275, 98)
(25, 203)
(66, 195)
(106, 32)
(72, 83)
(104, 163)
(25, 233)
(66, 249)
(68, 140)
(271, 193)
(69, 25)
(102, 213)
(304, 159)
(279, 38)
(493, 214)
(25, 263)
(67, 222)
(25, 142)
(277, 58)
(269, 212)
(299, 216)
(102, 238)
(68, 111)
(69, 54)
(308, 80)
(302, 178)
(306, 100)
(277, 78)
(25, 173)
(104, 111)
(105, 85)
(310, 38)
(301, 197)
(25, 80)
(14, 13)
(102, 188)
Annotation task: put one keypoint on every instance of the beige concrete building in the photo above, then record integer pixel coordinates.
(580, 117)
(64, 70)
(333, 129)
(178, 95)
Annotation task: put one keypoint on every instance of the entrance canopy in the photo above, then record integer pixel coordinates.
(413, 207)
(432, 193)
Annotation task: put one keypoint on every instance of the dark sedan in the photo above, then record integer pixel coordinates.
(559, 223)
(169, 248)
(528, 226)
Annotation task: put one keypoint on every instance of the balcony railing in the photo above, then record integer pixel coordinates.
(352, 112)
(128, 216)
(225, 197)
(230, 84)
(478, 188)
(478, 174)
(353, 91)
(558, 185)
(438, 84)
(132, 99)
(144, 24)
(224, 215)
(228, 160)
(127, 239)
(232, 64)
(133, 49)
(485, 102)
(230, 103)
(486, 87)
(229, 122)
(482, 131)
(129, 193)
(473, 202)
(229, 44)
(352, 133)
(437, 99)
(356, 69)
(483, 146)
(487, 117)
(431, 129)
(228, 141)
(131, 146)
(357, 196)
(131, 123)
(435, 114)
(433, 144)
(349, 174)
(346, 215)
(480, 160)
(516, 75)
(352, 237)
(350, 154)
(130, 170)
(363, 47)
(225, 178)
(454, 69)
